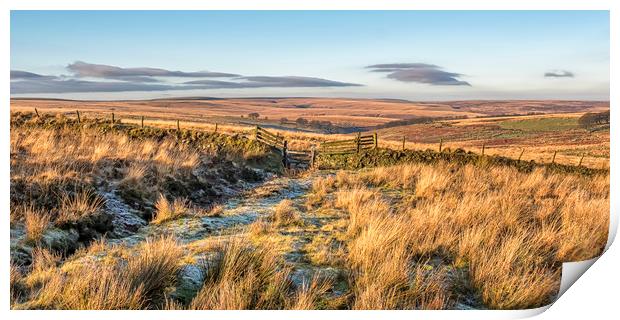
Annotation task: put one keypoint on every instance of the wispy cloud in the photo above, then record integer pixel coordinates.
(274, 82)
(25, 75)
(559, 74)
(74, 85)
(84, 69)
(419, 72)
(115, 79)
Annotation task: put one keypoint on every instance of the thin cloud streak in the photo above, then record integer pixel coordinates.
(73, 85)
(272, 82)
(25, 75)
(84, 69)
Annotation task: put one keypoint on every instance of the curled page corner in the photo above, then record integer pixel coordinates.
(571, 271)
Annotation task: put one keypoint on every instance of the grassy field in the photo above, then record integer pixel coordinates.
(114, 216)
(535, 137)
(341, 112)
(541, 124)
(538, 137)
(491, 237)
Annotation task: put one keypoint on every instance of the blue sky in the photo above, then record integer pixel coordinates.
(415, 55)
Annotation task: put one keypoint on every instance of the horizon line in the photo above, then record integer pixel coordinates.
(293, 97)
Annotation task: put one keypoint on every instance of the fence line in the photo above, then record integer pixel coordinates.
(349, 146)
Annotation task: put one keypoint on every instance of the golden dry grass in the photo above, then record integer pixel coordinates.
(15, 286)
(569, 145)
(35, 222)
(47, 161)
(286, 214)
(137, 283)
(341, 111)
(77, 206)
(310, 294)
(321, 186)
(510, 230)
(325, 250)
(54, 173)
(243, 277)
(259, 228)
(166, 210)
(355, 112)
(216, 211)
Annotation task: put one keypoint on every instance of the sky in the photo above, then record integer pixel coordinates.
(413, 55)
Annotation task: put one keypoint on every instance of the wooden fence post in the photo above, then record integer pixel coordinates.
(553, 160)
(215, 130)
(357, 141)
(581, 160)
(284, 155)
(142, 122)
(113, 118)
(403, 143)
(440, 144)
(78, 116)
(483, 147)
(37, 112)
(375, 139)
(178, 125)
(521, 155)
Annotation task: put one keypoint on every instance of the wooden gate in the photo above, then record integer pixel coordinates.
(354, 145)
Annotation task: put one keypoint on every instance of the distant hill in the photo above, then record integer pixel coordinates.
(343, 112)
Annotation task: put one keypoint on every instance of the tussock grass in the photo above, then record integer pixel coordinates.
(15, 285)
(43, 259)
(166, 210)
(57, 168)
(285, 214)
(216, 211)
(78, 206)
(510, 230)
(155, 267)
(99, 287)
(385, 283)
(259, 228)
(137, 283)
(310, 295)
(36, 222)
(243, 277)
(321, 186)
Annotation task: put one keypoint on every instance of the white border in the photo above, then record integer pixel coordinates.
(598, 288)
